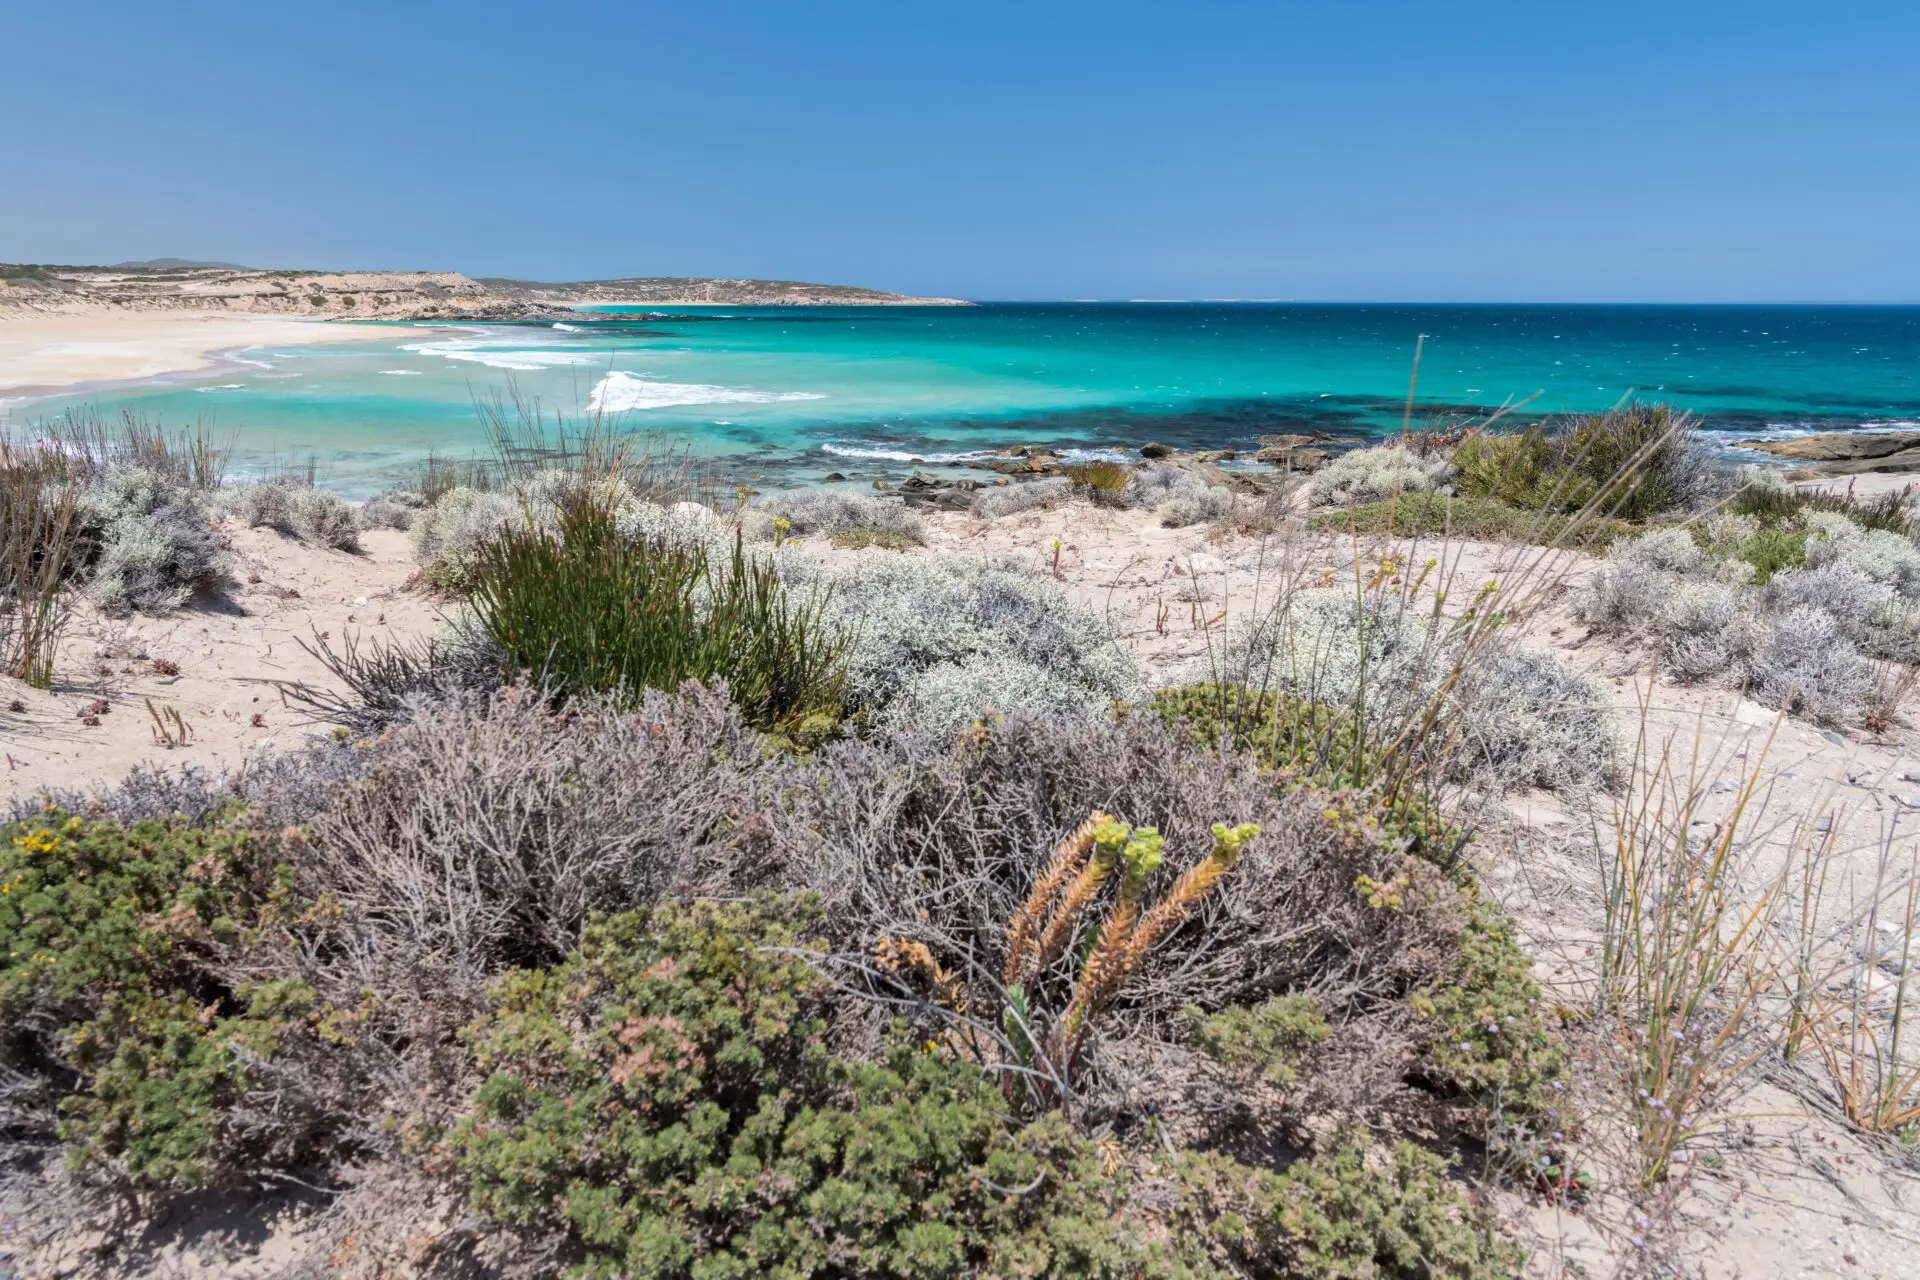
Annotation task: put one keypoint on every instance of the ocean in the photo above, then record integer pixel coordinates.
(785, 396)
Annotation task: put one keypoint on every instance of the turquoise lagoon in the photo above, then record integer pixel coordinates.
(788, 395)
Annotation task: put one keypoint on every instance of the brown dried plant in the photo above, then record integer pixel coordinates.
(1055, 910)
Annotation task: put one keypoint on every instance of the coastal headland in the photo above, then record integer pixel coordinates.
(67, 326)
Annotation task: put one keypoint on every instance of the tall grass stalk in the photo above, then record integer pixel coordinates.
(1379, 739)
(82, 444)
(39, 538)
(1851, 1019)
(527, 438)
(1683, 959)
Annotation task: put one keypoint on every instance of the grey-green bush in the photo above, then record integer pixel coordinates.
(391, 509)
(1012, 499)
(297, 508)
(1522, 720)
(941, 641)
(832, 511)
(1180, 497)
(448, 536)
(1697, 607)
(146, 542)
(1382, 471)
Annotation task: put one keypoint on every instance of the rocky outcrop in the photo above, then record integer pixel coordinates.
(1847, 452)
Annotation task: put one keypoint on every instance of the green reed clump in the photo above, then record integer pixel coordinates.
(1632, 463)
(590, 610)
(1482, 519)
(1779, 505)
(40, 531)
(1103, 481)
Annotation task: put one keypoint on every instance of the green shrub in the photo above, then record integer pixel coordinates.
(1102, 481)
(1772, 550)
(1268, 1038)
(1311, 743)
(1333, 1218)
(1636, 461)
(1480, 518)
(593, 611)
(1488, 1033)
(1630, 463)
(1511, 469)
(665, 1100)
(864, 537)
(110, 942)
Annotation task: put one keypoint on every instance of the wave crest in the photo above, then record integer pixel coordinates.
(620, 392)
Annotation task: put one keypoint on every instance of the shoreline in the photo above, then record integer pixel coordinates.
(45, 354)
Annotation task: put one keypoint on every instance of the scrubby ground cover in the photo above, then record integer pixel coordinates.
(1578, 482)
(657, 985)
(253, 987)
(1804, 603)
(1005, 963)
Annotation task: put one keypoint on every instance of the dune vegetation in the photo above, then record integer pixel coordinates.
(698, 904)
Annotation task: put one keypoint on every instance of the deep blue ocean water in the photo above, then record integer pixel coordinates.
(790, 394)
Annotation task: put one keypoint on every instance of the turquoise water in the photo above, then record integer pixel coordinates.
(790, 394)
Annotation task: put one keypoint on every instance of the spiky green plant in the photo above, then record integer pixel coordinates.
(590, 610)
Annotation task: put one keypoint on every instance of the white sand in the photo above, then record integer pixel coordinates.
(45, 352)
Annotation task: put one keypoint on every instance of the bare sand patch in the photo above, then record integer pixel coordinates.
(43, 352)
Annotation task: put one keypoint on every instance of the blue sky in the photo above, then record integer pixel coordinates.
(1499, 151)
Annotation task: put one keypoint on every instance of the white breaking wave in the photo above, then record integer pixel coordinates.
(225, 386)
(401, 373)
(890, 454)
(566, 328)
(619, 392)
(497, 355)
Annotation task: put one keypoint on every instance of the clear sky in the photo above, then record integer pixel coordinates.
(1537, 150)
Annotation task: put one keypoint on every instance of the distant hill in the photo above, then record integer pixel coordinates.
(696, 289)
(175, 284)
(177, 264)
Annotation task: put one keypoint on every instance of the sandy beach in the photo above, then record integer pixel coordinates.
(43, 352)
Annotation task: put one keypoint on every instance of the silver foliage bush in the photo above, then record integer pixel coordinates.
(1803, 661)
(147, 543)
(943, 640)
(1007, 500)
(1211, 502)
(1514, 717)
(831, 511)
(325, 519)
(391, 509)
(293, 506)
(1697, 609)
(1366, 474)
(1875, 553)
(1179, 496)
(447, 536)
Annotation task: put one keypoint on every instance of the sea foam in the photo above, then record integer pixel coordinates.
(495, 355)
(889, 453)
(619, 392)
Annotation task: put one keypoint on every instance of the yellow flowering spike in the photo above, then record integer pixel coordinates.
(1229, 841)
